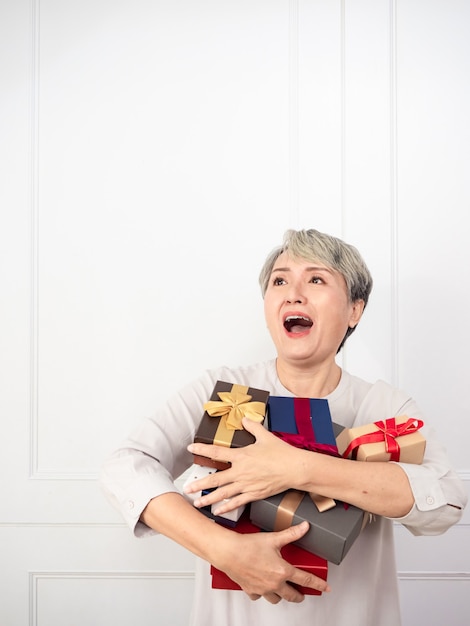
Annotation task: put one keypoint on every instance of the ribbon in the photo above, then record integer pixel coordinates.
(387, 431)
(305, 439)
(233, 406)
(299, 441)
(287, 508)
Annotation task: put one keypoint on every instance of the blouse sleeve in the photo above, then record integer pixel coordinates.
(439, 494)
(147, 463)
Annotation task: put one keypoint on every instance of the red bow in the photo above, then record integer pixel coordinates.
(388, 432)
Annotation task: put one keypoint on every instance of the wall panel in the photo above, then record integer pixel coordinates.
(119, 152)
(152, 153)
(423, 592)
(434, 196)
(77, 597)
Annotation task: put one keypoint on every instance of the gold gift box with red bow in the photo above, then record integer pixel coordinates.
(392, 439)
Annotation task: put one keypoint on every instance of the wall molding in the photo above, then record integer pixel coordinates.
(35, 577)
(35, 473)
(294, 150)
(34, 211)
(394, 278)
(343, 121)
(38, 474)
(442, 575)
(70, 525)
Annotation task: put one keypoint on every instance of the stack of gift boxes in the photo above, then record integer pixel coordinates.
(305, 423)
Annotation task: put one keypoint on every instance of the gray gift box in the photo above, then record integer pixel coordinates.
(331, 533)
(337, 428)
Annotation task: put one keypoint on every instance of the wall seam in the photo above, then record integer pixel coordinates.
(394, 269)
(294, 175)
(34, 212)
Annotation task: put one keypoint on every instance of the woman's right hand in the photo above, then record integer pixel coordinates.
(254, 561)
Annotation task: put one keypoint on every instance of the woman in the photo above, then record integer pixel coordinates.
(315, 289)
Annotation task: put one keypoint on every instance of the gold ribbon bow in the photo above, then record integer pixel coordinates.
(233, 407)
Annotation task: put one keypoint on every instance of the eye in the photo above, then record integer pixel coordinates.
(278, 280)
(317, 280)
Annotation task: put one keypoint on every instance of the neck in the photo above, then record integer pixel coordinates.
(311, 382)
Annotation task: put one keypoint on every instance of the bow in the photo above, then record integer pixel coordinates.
(387, 431)
(233, 407)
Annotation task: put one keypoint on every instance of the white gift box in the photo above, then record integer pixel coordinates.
(195, 473)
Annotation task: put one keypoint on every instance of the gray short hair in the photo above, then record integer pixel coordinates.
(336, 254)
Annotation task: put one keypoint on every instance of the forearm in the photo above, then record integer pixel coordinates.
(252, 560)
(171, 515)
(378, 487)
(271, 466)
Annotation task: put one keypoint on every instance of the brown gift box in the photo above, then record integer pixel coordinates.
(214, 429)
(400, 434)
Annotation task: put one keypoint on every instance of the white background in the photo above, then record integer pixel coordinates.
(151, 154)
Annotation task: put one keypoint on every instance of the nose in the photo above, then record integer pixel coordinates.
(295, 294)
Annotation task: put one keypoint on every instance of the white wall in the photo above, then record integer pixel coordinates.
(151, 154)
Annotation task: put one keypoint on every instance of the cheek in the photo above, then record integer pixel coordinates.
(269, 312)
(344, 313)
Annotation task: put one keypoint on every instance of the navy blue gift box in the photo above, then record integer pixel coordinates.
(309, 418)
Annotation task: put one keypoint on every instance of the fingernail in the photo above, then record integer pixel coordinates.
(190, 448)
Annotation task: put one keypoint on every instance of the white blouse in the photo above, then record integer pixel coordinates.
(364, 585)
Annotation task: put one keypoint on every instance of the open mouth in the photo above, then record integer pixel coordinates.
(297, 323)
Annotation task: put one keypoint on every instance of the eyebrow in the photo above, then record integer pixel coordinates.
(313, 268)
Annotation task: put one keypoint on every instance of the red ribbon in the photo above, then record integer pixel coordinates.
(388, 432)
(305, 438)
(299, 441)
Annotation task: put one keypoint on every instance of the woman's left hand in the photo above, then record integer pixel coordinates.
(257, 471)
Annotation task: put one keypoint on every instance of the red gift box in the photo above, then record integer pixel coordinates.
(292, 554)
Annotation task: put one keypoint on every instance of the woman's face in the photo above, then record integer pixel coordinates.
(307, 310)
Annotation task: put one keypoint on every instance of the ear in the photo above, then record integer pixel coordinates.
(356, 313)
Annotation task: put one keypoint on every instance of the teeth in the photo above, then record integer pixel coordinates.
(290, 318)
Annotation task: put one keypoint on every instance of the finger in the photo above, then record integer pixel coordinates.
(293, 533)
(218, 453)
(254, 596)
(298, 576)
(230, 503)
(305, 579)
(209, 450)
(255, 428)
(226, 498)
(273, 598)
(291, 593)
(212, 481)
